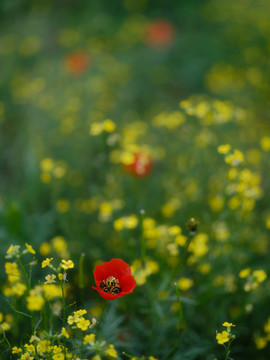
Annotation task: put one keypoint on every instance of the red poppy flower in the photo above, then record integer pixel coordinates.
(141, 165)
(77, 62)
(159, 33)
(114, 279)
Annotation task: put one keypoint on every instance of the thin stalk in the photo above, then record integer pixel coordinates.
(28, 288)
(81, 344)
(143, 249)
(81, 277)
(180, 309)
(227, 351)
(64, 310)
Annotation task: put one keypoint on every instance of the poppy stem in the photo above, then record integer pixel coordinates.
(143, 249)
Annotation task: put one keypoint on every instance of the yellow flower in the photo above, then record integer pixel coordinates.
(224, 149)
(30, 249)
(244, 273)
(222, 337)
(67, 264)
(265, 143)
(13, 250)
(109, 125)
(227, 324)
(80, 312)
(16, 350)
(89, 338)
(83, 324)
(111, 351)
(185, 283)
(35, 302)
(71, 319)
(60, 276)
(260, 275)
(46, 262)
(45, 248)
(50, 279)
(65, 333)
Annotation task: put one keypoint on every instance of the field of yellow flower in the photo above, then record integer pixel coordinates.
(134, 190)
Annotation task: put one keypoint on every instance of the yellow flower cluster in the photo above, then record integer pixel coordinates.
(79, 320)
(127, 222)
(14, 286)
(57, 244)
(253, 278)
(5, 322)
(50, 168)
(98, 127)
(141, 272)
(211, 111)
(262, 341)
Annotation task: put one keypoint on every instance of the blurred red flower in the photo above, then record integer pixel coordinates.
(159, 33)
(77, 62)
(141, 165)
(114, 279)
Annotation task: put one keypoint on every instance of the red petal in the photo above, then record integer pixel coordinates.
(127, 284)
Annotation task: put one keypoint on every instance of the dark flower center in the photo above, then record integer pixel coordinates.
(110, 285)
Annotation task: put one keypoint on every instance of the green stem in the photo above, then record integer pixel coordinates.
(180, 310)
(81, 277)
(64, 309)
(227, 351)
(143, 249)
(81, 344)
(28, 288)
(24, 274)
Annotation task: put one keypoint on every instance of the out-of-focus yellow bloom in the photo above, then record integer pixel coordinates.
(30, 249)
(265, 143)
(35, 302)
(224, 149)
(244, 273)
(260, 342)
(13, 249)
(45, 178)
(185, 283)
(260, 275)
(128, 222)
(180, 240)
(59, 244)
(65, 333)
(235, 158)
(111, 352)
(109, 125)
(216, 203)
(169, 120)
(16, 350)
(46, 262)
(89, 338)
(45, 248)
(198, 245)
(47, 165)
(62, 205)
(50, 279)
